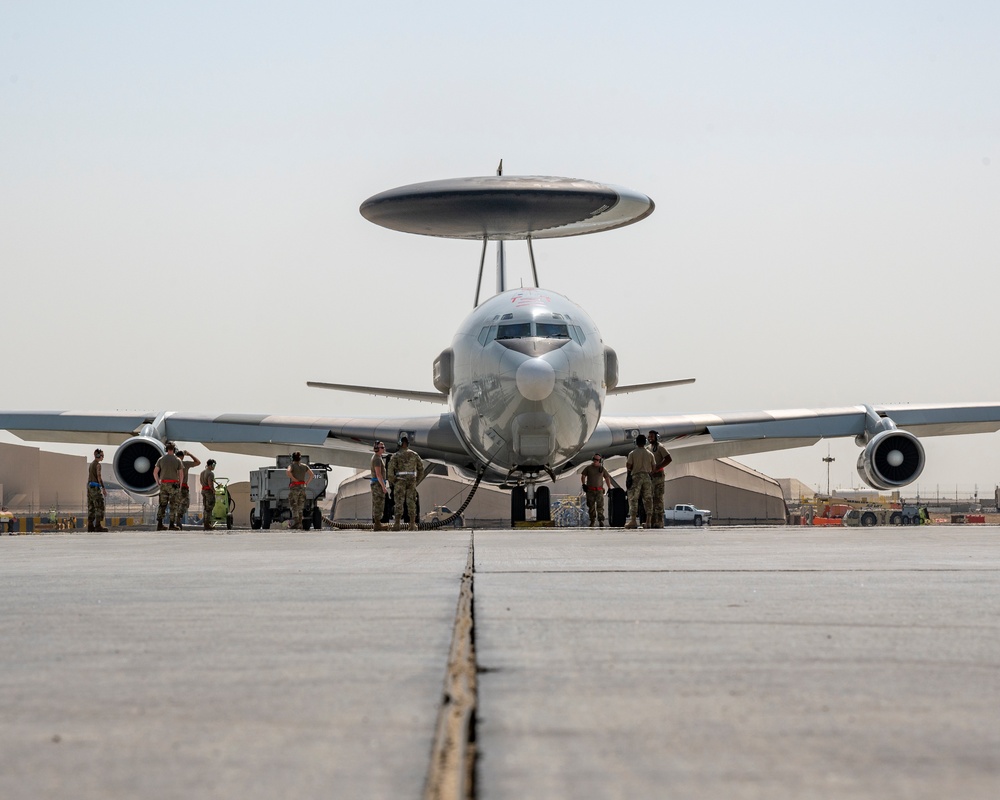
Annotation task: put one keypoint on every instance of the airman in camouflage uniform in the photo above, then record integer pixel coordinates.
(185, 501)
(593, 477)
(96, 494)
(299, 475)
(379, 487)
(660, 460)
(207, 482)
(406, 470)
(639, 465)
(167, 473)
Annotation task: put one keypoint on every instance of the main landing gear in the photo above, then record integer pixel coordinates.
(528, 500)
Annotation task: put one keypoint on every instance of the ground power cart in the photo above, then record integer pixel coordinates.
(269, 495)
(222, 512)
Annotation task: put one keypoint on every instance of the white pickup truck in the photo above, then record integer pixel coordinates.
(685, 514)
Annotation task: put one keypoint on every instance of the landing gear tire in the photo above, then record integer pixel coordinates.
(543, 505)
(518, 499)
(617, 507)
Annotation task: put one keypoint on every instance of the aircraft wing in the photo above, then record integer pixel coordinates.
(341, 441)
(696, 437)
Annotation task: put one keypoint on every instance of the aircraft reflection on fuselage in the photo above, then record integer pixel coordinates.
(528, 379)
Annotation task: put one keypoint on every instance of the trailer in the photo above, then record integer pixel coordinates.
(269, 495)
(869, 516)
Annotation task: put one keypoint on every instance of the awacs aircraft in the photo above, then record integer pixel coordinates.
(524, 380)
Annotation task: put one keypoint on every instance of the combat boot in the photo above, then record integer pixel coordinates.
(377, 525)
(208, 525)
(413, 526)
(171, 527)
(100, 529)
(160, 526)
(395, 525)
(632, 524)
(600, 524)
(90, 526)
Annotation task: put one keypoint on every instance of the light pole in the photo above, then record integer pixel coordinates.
(828, 460)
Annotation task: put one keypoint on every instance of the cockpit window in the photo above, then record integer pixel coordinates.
(514, 330)
(552, 330)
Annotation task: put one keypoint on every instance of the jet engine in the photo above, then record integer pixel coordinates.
(134, 462)
(892, 458)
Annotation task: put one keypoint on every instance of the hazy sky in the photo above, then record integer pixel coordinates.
(180, 182)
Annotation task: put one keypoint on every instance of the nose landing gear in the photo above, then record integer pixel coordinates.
(528, 500)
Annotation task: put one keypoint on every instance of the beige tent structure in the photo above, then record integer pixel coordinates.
(795, 491)
(734, 493)
(35, 480)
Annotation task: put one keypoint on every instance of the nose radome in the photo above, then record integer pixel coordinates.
(535, 379)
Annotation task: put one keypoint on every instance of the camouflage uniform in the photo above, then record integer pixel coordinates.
(405, 471)
(297, 494)
(185, 493)
(378, 493)
(593, 484)
(207, 482)
(640, 462)
(170, 477)
(658, 480)
(95, 497)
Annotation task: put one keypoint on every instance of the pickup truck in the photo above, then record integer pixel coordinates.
(686, 514)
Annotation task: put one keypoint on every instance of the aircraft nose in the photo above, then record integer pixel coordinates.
(535, 379)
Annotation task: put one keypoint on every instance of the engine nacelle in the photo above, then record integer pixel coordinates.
(610, 368)
(134, 462)
(444, 371)
(892, 458)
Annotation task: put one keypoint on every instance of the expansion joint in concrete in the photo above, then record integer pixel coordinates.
(451, 775)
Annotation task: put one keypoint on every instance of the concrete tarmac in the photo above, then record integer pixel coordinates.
(737, 663)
